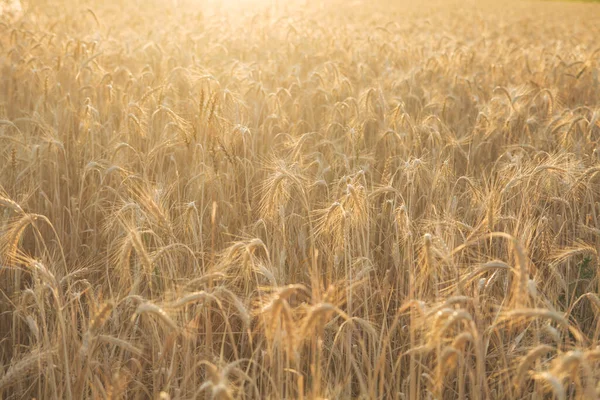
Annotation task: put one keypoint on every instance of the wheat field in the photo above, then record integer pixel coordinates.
(299, 200)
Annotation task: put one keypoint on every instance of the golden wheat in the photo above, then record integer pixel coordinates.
(265, 199)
